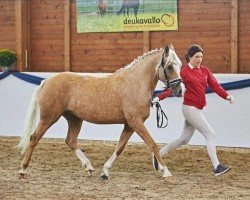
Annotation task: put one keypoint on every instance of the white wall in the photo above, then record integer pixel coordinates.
(230, 121)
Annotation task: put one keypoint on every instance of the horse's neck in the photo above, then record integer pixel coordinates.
(151, 75)
(145, 70)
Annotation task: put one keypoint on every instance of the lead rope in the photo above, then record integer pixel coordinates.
(160, 115)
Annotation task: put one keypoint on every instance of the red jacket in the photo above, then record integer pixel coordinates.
(196, 81)
(164, 94)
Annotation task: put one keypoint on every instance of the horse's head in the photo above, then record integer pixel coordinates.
(169, 70)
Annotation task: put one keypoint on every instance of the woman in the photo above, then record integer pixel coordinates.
(196, 77)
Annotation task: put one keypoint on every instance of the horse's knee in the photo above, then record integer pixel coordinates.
(155, 148)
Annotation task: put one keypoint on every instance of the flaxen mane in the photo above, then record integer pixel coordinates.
(141, 57)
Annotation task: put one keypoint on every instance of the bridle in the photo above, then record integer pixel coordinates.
(169, 83)
(160, 114)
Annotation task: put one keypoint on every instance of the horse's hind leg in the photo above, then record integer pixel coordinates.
(125, 135)
(34, 139)
(75, 125)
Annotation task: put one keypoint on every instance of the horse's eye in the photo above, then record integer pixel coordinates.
(170, 67)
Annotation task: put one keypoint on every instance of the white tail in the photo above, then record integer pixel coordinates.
(30, 122)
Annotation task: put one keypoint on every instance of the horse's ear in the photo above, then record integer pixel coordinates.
(171, 46)
(166, 50)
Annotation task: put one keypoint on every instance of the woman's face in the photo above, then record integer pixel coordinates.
(196, 59)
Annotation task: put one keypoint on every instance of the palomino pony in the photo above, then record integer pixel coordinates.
(126, 4)
(120, 98)
(102, 4)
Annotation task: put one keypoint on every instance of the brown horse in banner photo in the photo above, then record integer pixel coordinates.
(119, 98)
(102, 4)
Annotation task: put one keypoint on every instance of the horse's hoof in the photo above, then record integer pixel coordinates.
(104, 177)
(169, 179)
(90, 171)
(22, 176)
(22, 173)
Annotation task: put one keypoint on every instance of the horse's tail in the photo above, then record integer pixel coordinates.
(30, 121)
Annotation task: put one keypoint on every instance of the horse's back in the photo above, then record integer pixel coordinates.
(68, 84)
(90, 98)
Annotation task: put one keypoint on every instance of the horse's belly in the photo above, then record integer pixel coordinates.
(101, 115)
(106, 121)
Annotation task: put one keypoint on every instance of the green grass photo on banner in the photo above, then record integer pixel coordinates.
(126, 15)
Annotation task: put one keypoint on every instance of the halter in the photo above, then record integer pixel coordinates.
(176, 81)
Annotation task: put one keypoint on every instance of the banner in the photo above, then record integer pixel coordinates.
(126, 15)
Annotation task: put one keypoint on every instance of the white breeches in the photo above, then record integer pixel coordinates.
(194, 120)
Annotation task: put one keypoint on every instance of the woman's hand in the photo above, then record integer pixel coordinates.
(154, 101)
(230, 98)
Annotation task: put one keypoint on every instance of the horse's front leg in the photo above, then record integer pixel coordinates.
(139, 127)
(125, 135)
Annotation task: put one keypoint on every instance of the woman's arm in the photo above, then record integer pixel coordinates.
(163, 95)
(216, 87)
